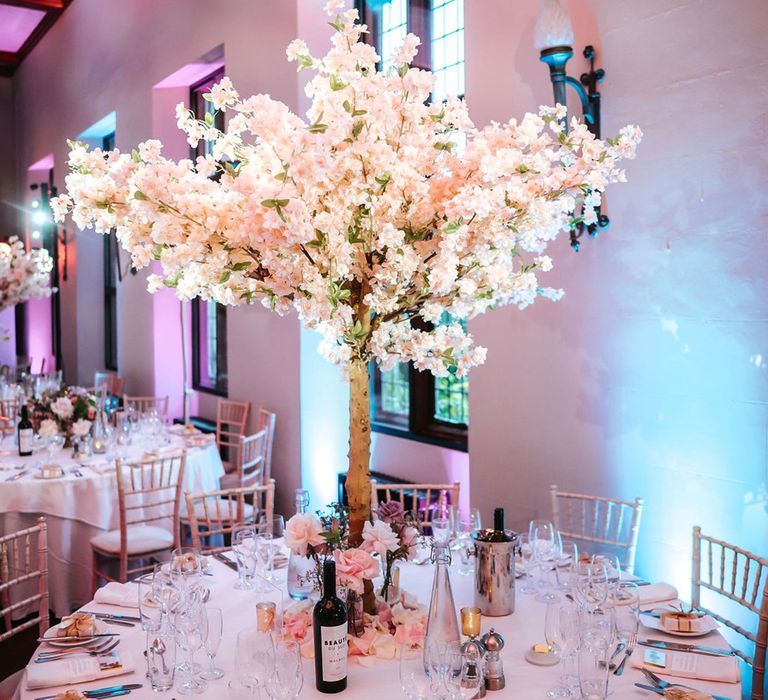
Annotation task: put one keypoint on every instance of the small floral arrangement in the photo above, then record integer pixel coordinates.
(392, 537)
(68, 411)
(23, 275)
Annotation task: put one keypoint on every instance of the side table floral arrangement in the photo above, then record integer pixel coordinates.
(69, 412)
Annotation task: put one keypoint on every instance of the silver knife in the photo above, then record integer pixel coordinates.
(17, 475)
(79, 639)
(692, 648)
(652, 688)
(127, 618)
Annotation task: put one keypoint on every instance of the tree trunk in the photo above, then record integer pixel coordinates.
(358, 475)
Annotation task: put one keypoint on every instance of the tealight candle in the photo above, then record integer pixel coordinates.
(98, 446)
(265, 616)
(470, 621)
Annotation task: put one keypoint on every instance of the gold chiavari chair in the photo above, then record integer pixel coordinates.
(421, 500)
(19, 567)
(142, 404)
(251, 462)
(231, 419)
(598, 523)
(266, 421)
(213, 515)
(148, 491)
(738, 576)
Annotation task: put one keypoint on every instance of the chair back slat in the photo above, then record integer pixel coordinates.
(18, 567)
(252, 457)
(597, 521)
(213, 515)
(266, 421)
(142, 404)
(741, 580)
(421, 499)
(231, 421)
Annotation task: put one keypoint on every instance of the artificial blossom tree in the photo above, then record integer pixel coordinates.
(377, 209)
(23, 274)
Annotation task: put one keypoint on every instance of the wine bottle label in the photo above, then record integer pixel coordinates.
(334, 641)
(25, 439)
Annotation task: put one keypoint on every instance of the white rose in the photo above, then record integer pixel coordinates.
(48, 428)
(81, 428)
(62, 407)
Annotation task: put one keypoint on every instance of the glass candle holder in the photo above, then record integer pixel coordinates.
(470, 621)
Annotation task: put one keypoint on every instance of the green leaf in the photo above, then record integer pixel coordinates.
(239, 267)
(304, 61)
(318, 128)
(102, 205)
(138, 194)
(437, 117)
(402, 71)
(454, 226)
(269, 203)
(359, 112)
(338, 24)
(281, 176)
(443, 146)
(336, 83)
(208, 97)
(208, 118)
(357, 128)
(135, 156)
(347, 107)
(522, 169)
(225, 276)
(383, 179)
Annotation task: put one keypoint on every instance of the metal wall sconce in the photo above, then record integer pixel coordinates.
(553, 37)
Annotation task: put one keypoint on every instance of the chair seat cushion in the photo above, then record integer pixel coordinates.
(230, 481)
(229, 467)
(141, 539)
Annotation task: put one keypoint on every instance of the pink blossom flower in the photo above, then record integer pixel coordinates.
(379, 537)
(353, 566)
(301, 530)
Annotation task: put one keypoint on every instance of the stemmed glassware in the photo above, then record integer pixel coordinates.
(561, 630)
(463, 529)
(253, 657)
(566, 565)
(591, 589)
(264, 554)
(526, 565)
(189, 622)
(545, 547)
(214, 627)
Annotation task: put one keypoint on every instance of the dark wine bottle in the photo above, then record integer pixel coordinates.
(499, 533)
(329, 623)
(25, 433)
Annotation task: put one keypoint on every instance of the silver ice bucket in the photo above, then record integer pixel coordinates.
(495, 571)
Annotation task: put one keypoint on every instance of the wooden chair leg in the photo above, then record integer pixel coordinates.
(94, 573)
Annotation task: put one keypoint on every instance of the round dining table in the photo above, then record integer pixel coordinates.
(82, 502)
(377, 679)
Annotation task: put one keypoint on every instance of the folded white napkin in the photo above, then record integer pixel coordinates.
(77, 669)
(126, 595)
(656, 592)
(723, 669)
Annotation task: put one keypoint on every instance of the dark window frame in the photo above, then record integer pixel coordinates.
(420, 425)
(111, 277)
(199, 106)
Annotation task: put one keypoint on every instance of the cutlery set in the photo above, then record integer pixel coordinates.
(225, 560)
(690, 648)
(659, 686)
(110, 692)
(631, 644)
(103, 648)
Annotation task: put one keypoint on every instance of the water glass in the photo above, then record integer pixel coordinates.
(591, 585)
(242, 690)
(253, 651)
(464, 529)
(526, 565)
(593, 672)
(566, 564)
(561, 630)
(441, 530)
(414, 680)
(214, 627)
(150, 610)
(244, 546)
(161, 660)
(286, 676)
(264, 553)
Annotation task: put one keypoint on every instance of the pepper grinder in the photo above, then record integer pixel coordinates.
(473, 647)
(494, 668)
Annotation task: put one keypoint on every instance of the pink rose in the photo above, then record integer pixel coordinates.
(353, 566)
(410, 538)
(301, 530)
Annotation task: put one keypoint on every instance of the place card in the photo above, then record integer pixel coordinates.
(655, 657)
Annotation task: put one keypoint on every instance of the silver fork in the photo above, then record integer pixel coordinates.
(101, 644)
(85, 652)
(76, 471)
(663, 685)
(631, 644)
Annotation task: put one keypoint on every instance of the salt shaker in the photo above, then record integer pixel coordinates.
(494, 668)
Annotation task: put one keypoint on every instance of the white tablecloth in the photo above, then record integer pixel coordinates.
(520, 630)
(77, 508)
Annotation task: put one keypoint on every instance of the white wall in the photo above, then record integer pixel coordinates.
(648, 378)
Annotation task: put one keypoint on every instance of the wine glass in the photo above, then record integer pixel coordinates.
(186, 568)
(566, 564)
(545, 546)
(150, 610)
(465, 675)
(414, 680)
(464, 529)
(561, 630)
(214, 628)
(53, 444)
(189, 626)
(526, 565)
(253, 657)
(439, 661)
(287, 677)
(264, 553)
(592, 585)
(593, 672)
(441, 530)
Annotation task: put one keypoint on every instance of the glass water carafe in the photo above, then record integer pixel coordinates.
(442, 622)
(301, 581)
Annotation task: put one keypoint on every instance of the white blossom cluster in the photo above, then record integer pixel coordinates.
(361, 217)
(23, 275)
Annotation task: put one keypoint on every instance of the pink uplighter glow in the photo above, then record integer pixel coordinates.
(16, 24)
